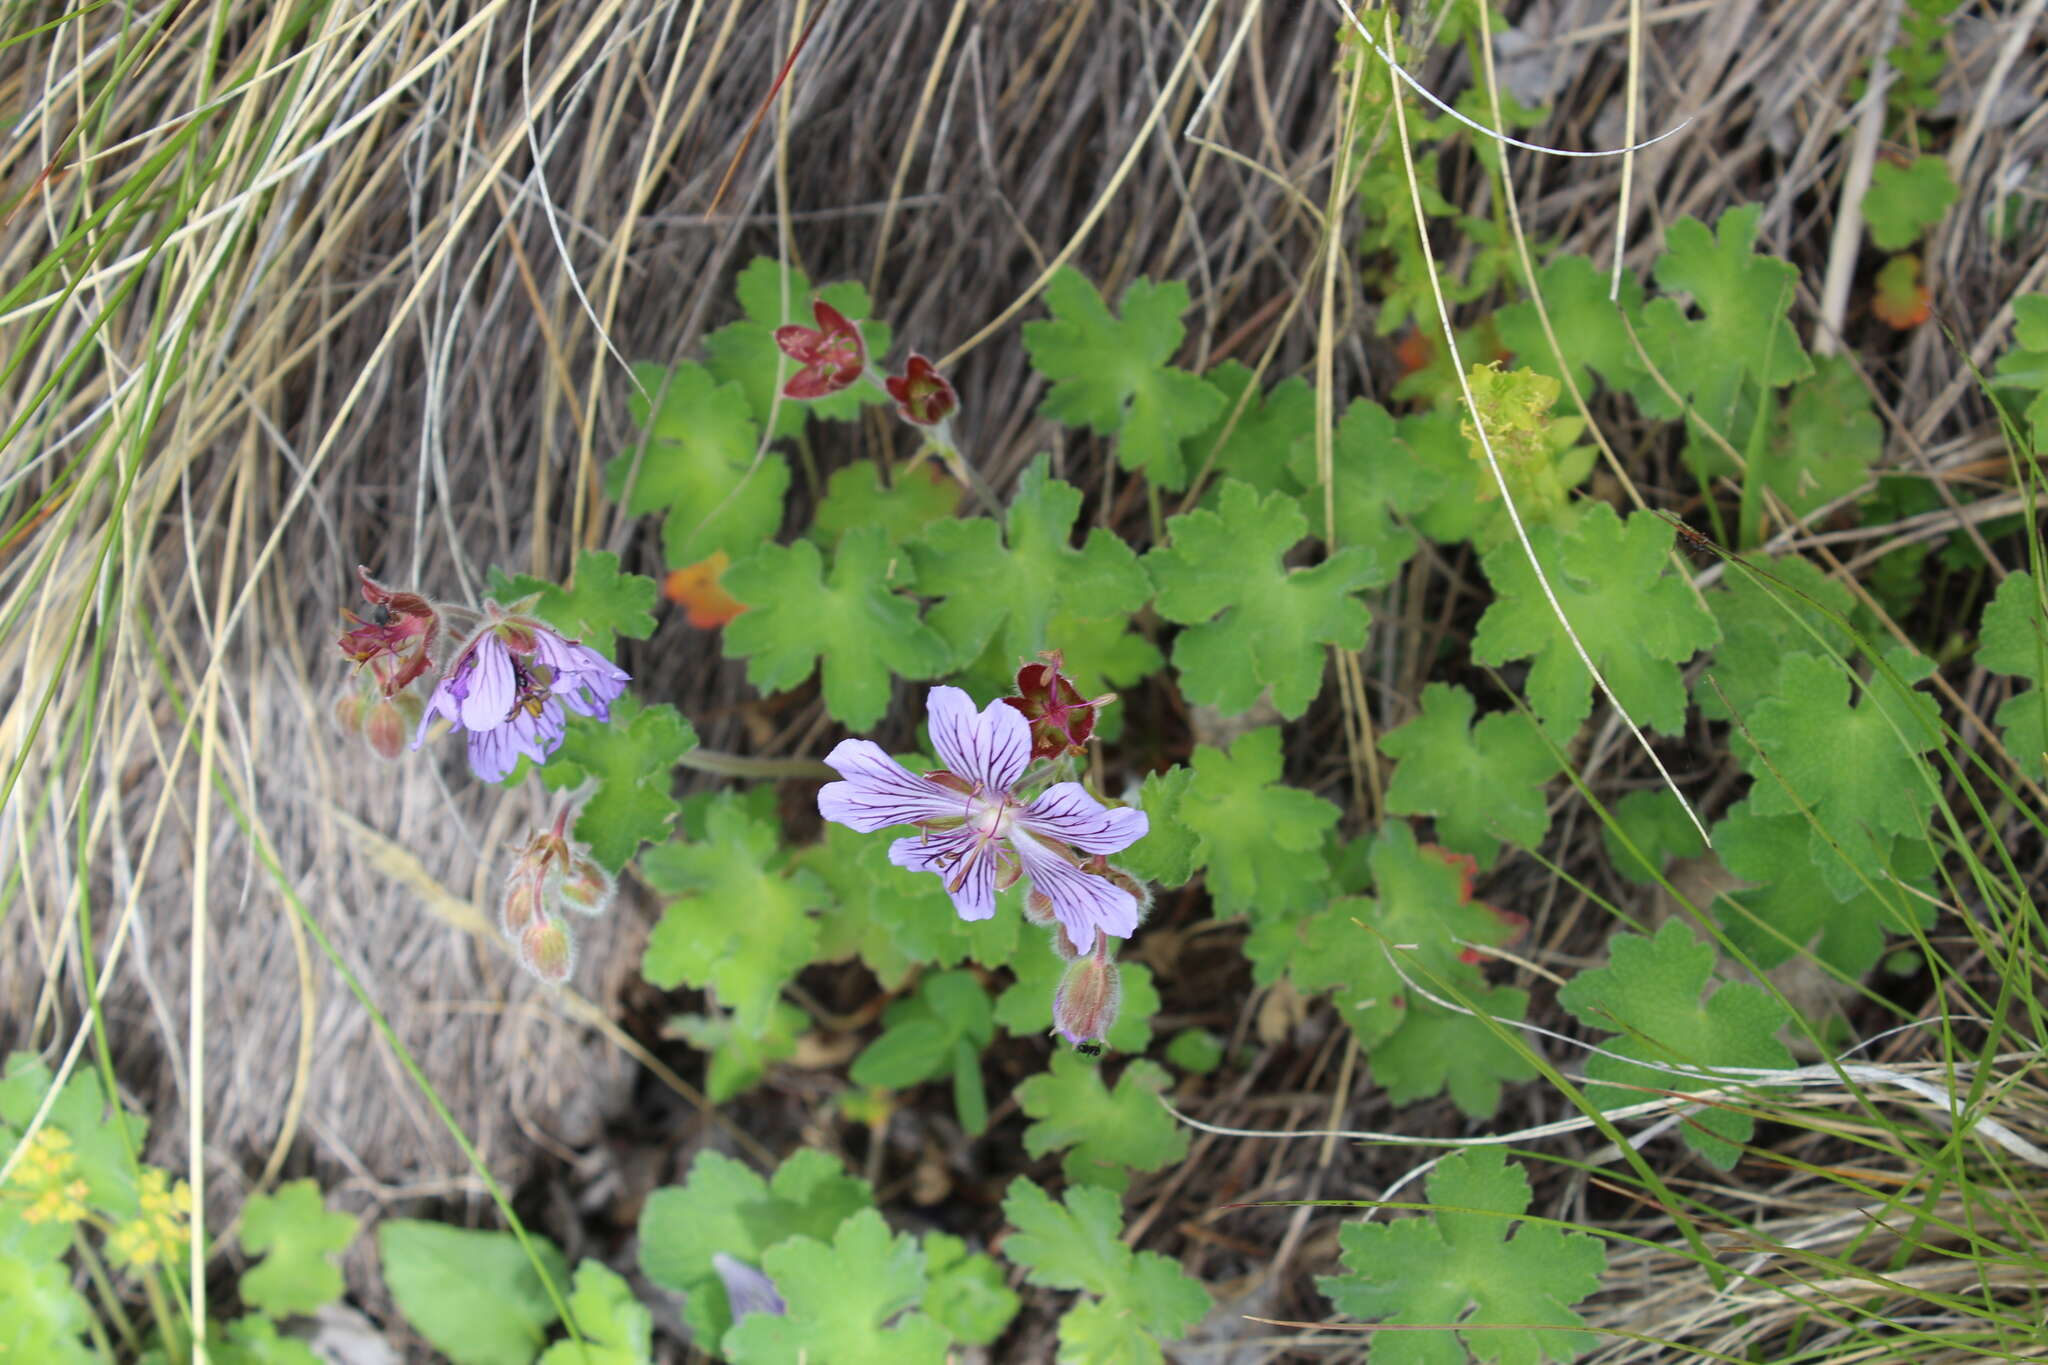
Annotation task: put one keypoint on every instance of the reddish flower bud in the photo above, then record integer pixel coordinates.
(547, 950)
(395, 640)
(1061, 722)
(521, 906)
(922, 394)
(384, 729)
(586, 887)
(1085, 1002)
(832, 354)
(348, 712)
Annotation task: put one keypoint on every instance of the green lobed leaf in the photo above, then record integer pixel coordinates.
(1659, 828)
(863, 632)
(1111, 375)
(1857, 769)
(616, 1329)
(1001, 588)
(1437, 1050)
(967, 1295)
(1483, 782)
(2014, 641)
(917, 496)
(1141, 1297)
(839, 1297)
(473, 1295)
(739, 1055)
(1107, 1133)
(1766, 610)
(42, 1318)
(1827, 439)
(1742, 331)
(1904, 201)
(1252, 622)
(696, 463)
(1271, 431)
(942, 1030)
(1590, 329)
(1649, 993)
(724, 1206)
(1260, 839)
(1170, 852)
(1469, 1265)
(632, 760)
(600, 605)
(255, 1340)
(1794, 904)
(744, 353)
(1637, 619)
(741, 924)
(1374, 475)
(2025, 368)
(296, 1236)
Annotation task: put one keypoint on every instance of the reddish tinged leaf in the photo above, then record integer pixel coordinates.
(1414, 351)
(832, 353)
(699, 589)
(1902, 299)
(922, 394)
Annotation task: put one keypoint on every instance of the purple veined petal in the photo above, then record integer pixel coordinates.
(962, 856)
(492, 754)
(1080, 900)
(989, 748)
(880, 792)
(747, 1290)
(1066, 812)
(537, 734)
(440, 702)
(493, 687)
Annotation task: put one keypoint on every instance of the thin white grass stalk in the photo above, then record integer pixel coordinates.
(1385, 54)
(1443, 313)
(1634, 85)
(910, 140)
(1169, 89)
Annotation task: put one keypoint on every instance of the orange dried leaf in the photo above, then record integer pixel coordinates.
(1902, 299)
(699, 590)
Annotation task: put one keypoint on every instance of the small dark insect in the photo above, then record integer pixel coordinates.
(381, 615)
(1089, 1049)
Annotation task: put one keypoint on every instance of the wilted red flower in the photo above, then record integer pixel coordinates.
(396, 639)
(1061, 721)
(922, 394)
(832, 353)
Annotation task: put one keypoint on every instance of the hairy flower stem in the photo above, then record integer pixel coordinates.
(742, 765)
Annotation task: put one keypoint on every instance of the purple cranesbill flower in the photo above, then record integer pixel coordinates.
(509, 686)
(977, 835)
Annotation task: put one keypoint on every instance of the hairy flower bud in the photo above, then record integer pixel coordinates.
(522, 904)
(586, 887)
(547, 949)
(1085, 1002)
(384, 729)
(348, 712)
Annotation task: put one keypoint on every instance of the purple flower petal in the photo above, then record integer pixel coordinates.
(989, 749)
(1066, 812)
(880, 792)
(584, 679)
(441, 702)
(964, 860)
(492, 754)
(1080, 900)
(747, 1290)
(492, 685)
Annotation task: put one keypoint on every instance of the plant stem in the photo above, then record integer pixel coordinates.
(741, 765)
